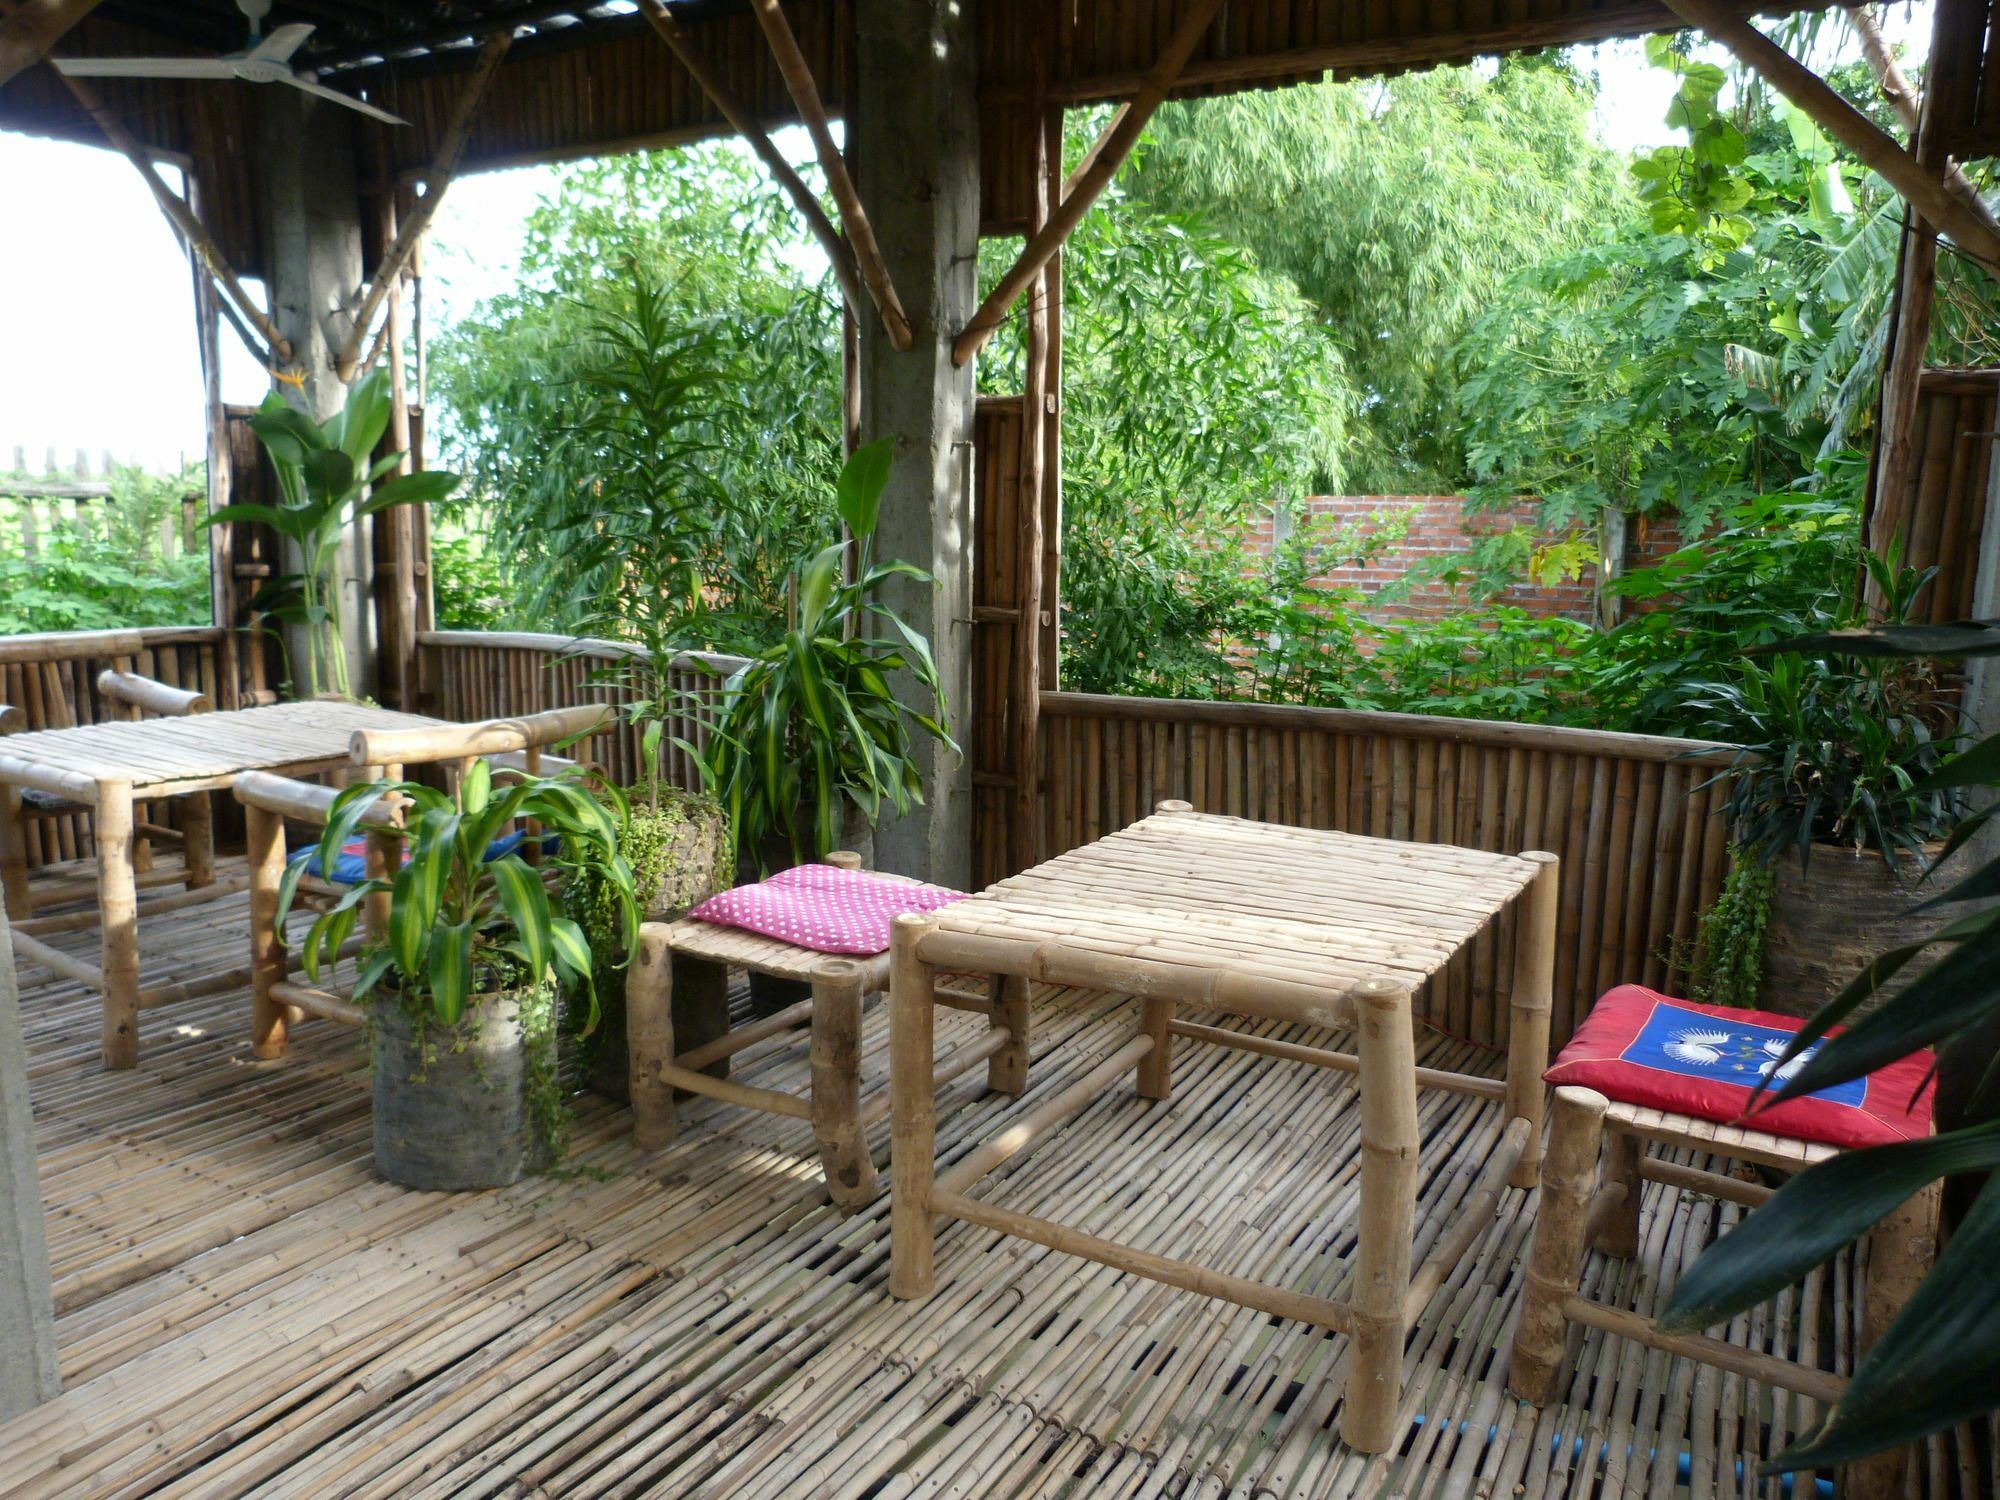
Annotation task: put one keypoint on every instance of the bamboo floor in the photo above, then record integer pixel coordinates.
(244, 1308)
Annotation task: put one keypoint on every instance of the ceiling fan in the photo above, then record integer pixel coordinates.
(268, 59)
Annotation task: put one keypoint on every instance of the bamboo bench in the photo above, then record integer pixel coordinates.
(679, 1037)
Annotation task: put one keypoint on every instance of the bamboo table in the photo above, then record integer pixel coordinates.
(1257, 921)
(107, 767)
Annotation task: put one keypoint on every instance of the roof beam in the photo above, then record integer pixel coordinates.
(733, 109)
(27, 35)
(396, 259)
(860, 233)
(1105, 158)
(1925, 189)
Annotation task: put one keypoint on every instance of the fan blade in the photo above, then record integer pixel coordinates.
(143, 67)
(280, 44)
(312, 86)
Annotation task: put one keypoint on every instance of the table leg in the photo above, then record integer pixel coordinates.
(264, 853)
(1387, 1048)
(912, 1108)
(118, 911)
(1007, 1069)
(1156, 1068)
(198, 840)
(836, 1085)
(14, 855)
(1531, 1002)
(649, 1037)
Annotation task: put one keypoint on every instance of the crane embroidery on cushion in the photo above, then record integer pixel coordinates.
(1775, 1049)
(1701, 1047)
(1733, 1051)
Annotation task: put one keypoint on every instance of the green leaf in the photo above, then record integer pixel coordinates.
(526, 902)
(816, 582)
(863, 478)
(450, 971)
(476, 787)
(422, 488)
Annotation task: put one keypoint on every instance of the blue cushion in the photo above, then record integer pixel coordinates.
(351, 868)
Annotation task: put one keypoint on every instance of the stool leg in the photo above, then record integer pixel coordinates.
(14, 855)
(1569, 1183)
(836, 1085)
(1007, 1069)
(264, 852)
(649, 1037)
(1618, 1236)
(1156, 1068)
(912, 1109)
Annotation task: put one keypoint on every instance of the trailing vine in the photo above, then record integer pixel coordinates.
(1729, 952)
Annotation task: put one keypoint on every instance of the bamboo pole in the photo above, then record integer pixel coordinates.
(1530, 1003)
(264, 853)
(198, 840)
(1569, 1183)
(649, 1036)
(1042, 1121)
(1009, 1011)
(860, 233)
(1833, 114)
(28, 34)
(117, 900)
(912, 1109)
(1389, 1145)
(410, 234)
(14, 885)
(1106, 158)
(1617, 1232)
(738, 115)
(1029, 511)
(836, 1085)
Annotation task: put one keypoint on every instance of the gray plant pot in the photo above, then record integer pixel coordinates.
(452, 1105)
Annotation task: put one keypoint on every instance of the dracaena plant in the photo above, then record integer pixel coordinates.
(328, 479)
(812, 724)
(462, 920)
(1938, 1363)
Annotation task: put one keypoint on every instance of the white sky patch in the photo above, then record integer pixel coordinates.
(100, 353)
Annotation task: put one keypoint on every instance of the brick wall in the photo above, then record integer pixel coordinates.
(1436, 527)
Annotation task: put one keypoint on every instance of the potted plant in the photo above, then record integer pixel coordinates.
(328, 479)
(1831, 797)
(462, 995)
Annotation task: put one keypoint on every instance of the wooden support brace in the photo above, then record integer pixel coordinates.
(1925, 190)
(745, 124)
(410, 234)
(1106, 157)
(853, 218)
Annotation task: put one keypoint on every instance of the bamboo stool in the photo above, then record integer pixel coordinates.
(1256, 921)
(1587, 1205)
(677, 998)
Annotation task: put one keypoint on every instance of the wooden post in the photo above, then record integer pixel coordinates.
(649, 1037)
(118, 902)
(1901, 1251)
(1389, 1145)
(836, 1084)
(264, 853)
(1569, 1184)
(384, 857)
(912, 1108)
(1007, 1069)
(28, 1373)
(27, 36)
(198, 839)
(1618, 1226)
(14, 855)
(1029, 512)
(1532, 999)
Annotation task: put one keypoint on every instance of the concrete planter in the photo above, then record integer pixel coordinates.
(1830, 919)
(452, 1104)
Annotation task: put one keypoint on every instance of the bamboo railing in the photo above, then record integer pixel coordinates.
(52, 679)
(468, 675)
(1636, 819)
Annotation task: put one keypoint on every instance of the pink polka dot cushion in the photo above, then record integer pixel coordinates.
(824, 908)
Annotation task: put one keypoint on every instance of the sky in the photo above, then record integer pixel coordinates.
(102, 355)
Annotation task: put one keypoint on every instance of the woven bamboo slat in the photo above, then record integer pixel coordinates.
(242, 1306)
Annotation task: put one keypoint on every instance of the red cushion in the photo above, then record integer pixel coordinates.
(1640, 1047)
(824, 908)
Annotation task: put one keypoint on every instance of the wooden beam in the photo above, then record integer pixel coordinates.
(410, 233)
(1924, 188)
(200, 244)
(733, 110)
(1902, 96)
(853, 218)
(1106, 157)
(27, 35)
